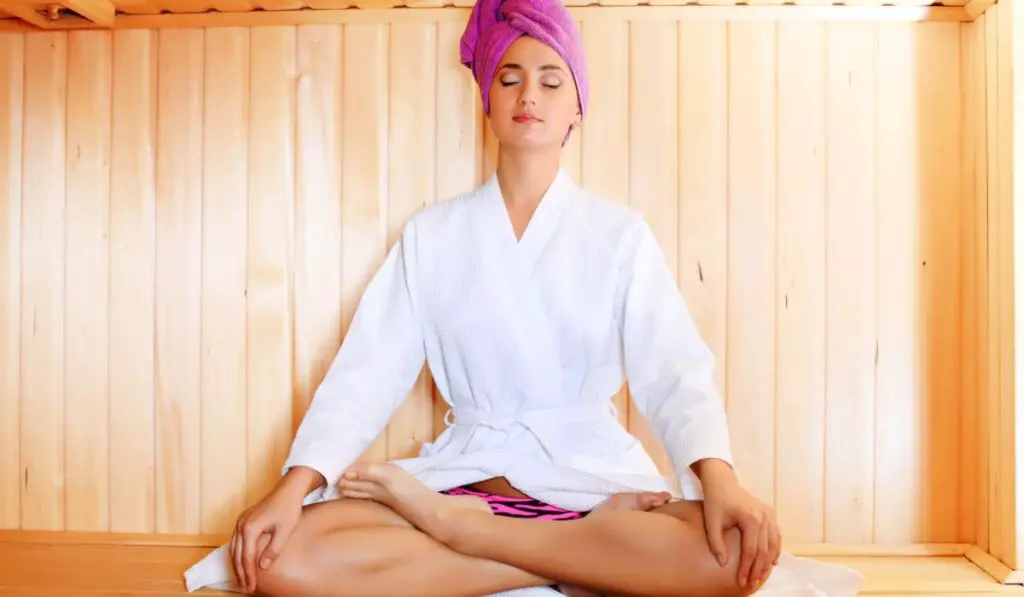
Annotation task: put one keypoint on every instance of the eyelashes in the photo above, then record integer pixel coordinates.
(548, 85)
(508, 82)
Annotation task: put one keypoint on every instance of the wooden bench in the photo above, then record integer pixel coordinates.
(38, 564)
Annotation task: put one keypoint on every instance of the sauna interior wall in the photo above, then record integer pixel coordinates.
(990, 56)
(190, 217)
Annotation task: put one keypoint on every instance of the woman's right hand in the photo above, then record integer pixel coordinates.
(277, 514)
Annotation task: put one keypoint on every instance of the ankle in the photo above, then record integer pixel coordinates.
(463, 531)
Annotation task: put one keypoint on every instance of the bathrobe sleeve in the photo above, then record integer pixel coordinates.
(668, 365)
(379, 360)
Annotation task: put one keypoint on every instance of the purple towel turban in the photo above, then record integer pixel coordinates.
(493, 26)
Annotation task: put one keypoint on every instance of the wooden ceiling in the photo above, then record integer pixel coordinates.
(78, 14)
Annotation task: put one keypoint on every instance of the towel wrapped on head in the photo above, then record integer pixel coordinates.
(493, 26)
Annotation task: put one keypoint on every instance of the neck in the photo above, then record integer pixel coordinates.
(524, 177)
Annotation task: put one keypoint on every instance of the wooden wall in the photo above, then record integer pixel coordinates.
(190, 216)
(992, 66)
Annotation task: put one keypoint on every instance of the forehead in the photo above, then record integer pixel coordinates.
(532, 53)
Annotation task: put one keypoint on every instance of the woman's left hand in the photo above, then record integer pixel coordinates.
(727, 504)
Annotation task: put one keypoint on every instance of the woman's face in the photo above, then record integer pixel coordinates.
(533, 97)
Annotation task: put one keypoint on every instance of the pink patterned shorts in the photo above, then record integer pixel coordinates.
(519, 507)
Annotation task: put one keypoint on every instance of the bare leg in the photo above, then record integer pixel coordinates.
(614, 552)
(356, 548)
(641, 502)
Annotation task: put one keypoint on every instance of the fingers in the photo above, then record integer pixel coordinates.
(761, 558)
(273, 549)
(356, 489)
(775, 542)
(249, 537)
(236, 556)
(749, 533)
(716, 540)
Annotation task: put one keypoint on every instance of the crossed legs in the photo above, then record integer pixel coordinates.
(400, 538)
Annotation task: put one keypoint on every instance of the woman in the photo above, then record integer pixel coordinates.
(531, 300)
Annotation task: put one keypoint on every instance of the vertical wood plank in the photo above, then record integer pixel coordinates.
(997, 546)
(269, 260)
(703, 181)
(411, 170)
(939, 142)
(897, 262)
(317, 210)
(178, 278)
(225, 193)
(12, 79)
(1014, 33)
(605, 133)
(87, 280)
(850, 272)
(654, 162)
(1009, 467)
(132, 293)
(800, 296)
(979, 119)
(42, 300)
(365, 180)
(459, 138)
(971, 442)
(750, 336)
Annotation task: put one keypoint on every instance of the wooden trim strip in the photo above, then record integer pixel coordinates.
(91, 538)
(584, 13)
(993, 567)
(100, 12)
(976, 8)
(27, 16)
(807, 550)
(881, 550)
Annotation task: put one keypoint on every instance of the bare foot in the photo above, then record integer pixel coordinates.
(440, 516)
(642, 501)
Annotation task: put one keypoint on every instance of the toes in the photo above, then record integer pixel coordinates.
(356, 487)
(367, 472)
(355, 472)
(653, 500)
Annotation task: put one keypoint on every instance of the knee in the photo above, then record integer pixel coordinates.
(288, 574)
(282, 578)
(308, 562)
(725, 579)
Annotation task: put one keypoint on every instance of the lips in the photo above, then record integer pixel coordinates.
(524, 118)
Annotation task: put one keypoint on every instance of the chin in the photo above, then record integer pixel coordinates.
(528, 142)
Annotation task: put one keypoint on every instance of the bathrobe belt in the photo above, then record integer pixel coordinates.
(530, 419)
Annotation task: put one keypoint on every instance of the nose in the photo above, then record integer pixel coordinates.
(527, 94)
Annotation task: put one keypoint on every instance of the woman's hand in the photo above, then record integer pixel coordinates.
(277, 514)
(727, 504)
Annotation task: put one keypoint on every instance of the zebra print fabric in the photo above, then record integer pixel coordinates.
(519, 507)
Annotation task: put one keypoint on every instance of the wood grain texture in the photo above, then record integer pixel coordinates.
(42, 283)
(87, 279)
(12, 78)
(993, 93)
(826, 224)
(136, 430)
(70, 569)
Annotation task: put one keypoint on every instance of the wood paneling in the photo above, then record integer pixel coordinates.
(99, 14)
(993, 55)
(803, 178)
(69, 565)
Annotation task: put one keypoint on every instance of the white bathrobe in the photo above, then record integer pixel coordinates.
(528, 340)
